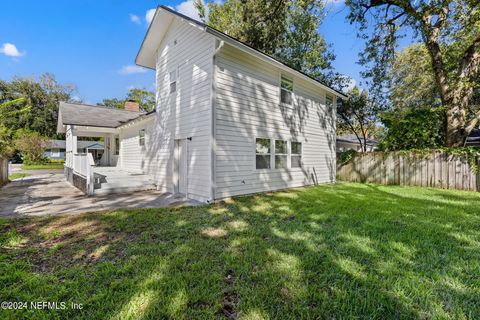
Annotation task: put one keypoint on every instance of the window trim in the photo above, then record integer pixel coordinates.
(263, 154)
(275, 154)
(287, 78)
(174, 72)
(296, 154)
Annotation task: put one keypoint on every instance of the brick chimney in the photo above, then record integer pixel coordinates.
(131, 105)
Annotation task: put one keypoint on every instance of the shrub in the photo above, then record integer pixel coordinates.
(31, 145)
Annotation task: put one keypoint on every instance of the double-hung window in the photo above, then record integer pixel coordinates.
(141, 137)
(262, 153)
(286, 90)
(281, 154)
(296, 155)
(173, 81)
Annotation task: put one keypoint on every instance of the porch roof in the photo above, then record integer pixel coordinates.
(92, 116)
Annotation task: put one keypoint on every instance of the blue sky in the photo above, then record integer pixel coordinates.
(93, 43)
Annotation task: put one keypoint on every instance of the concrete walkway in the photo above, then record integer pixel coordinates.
(46, 193)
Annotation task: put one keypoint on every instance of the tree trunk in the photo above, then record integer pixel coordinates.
(455, 134)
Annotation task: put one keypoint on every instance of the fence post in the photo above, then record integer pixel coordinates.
(90, 174)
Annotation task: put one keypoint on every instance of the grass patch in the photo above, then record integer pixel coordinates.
(17, 175)
(337, 251)
(42, 166)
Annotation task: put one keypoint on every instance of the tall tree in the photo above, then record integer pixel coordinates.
(145, 98)
(285, 29)
(450, 30)
(357, 114)
(411, 79)
(41, 96)
(7, 112)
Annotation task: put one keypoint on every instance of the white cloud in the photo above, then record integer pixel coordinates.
(188, 8)
(131, 69)
(149, 15)
(9, 49)
(135, 19)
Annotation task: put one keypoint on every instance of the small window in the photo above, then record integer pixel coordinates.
(55, 153)
(280, 154)
(262, 153)
(117, 146)
(329, 101)
(286, 90)
(141, 137)
(173, 81)
(296, 155)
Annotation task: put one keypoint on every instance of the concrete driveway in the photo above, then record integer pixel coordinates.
(47, 193)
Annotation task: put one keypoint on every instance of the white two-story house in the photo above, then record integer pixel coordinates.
(229, 120)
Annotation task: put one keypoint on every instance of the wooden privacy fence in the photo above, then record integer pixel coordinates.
(435, 169)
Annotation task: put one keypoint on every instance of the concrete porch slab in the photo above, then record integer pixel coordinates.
(50, 194)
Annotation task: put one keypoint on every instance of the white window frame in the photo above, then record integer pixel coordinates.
(263, 154)
(275, 154)
(296, 154)
(290, 79)
(174, 82)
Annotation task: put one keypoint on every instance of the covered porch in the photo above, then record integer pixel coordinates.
(102, 174)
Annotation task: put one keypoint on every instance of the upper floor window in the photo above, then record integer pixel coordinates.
(141, 137)
(286, 90)
(262, 153)
(173, 81)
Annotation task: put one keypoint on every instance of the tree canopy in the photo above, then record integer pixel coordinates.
(40, 96)
(450, 32)
(358, 114)
(285, 29)
(145, 98)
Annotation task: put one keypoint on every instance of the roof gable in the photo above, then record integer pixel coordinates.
(92, 116)
(159, 26)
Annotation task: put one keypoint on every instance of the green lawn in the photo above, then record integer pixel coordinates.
(17, 175)
(329, 252)
(42, 166)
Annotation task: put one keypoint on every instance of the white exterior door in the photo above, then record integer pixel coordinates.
(181, 166)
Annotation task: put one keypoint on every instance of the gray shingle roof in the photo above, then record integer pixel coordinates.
(94, 116)
(353, 139)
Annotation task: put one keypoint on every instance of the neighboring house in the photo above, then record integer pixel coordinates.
(229, 119)
(56, 149)
(350, 142)
(473, 139)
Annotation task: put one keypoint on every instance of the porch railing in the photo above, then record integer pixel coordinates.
(82, 165)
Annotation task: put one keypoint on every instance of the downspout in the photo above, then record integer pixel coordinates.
(219, 46)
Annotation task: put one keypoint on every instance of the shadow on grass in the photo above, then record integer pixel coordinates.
(340, 251)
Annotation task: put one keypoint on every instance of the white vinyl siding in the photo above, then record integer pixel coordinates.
(136, 157)
(248, 106)
(186, 113)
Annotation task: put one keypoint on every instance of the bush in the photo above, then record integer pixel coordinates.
(31, 145)
(413, 128)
